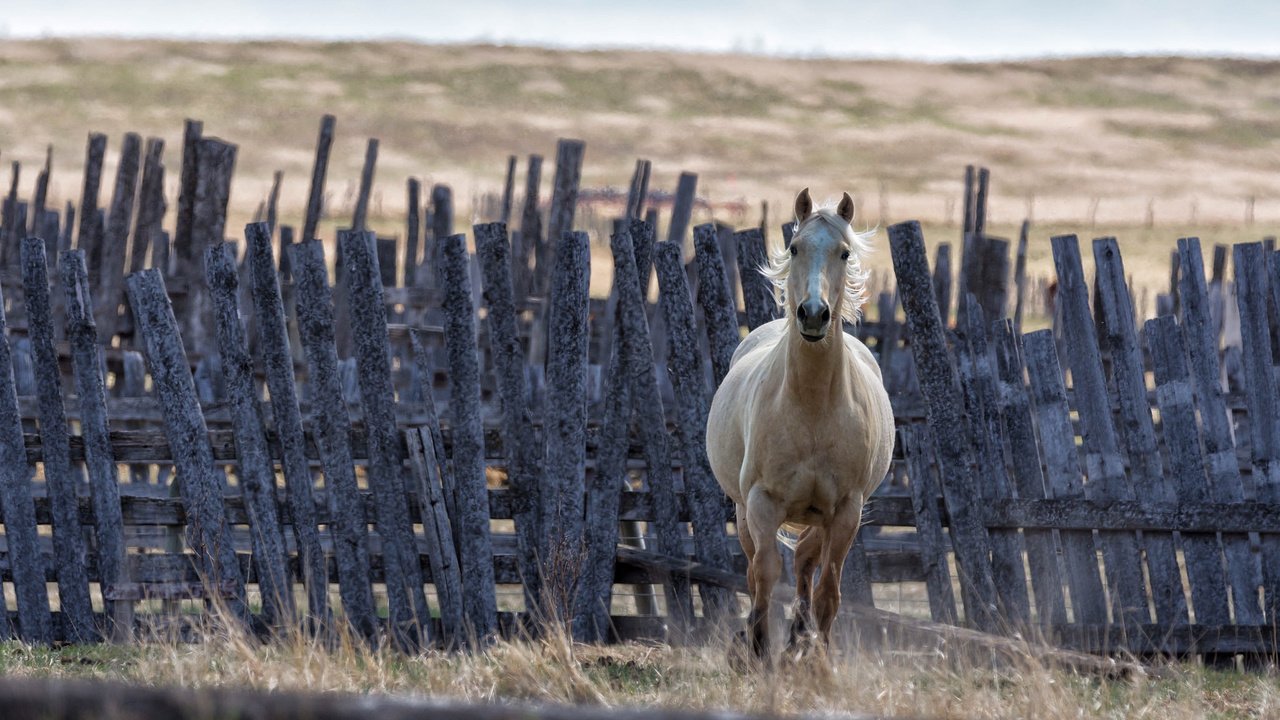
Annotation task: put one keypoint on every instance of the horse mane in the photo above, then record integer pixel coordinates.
(778, 267)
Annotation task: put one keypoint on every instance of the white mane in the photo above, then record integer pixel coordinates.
(778, 267)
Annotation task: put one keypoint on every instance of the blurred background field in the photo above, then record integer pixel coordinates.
(1143, 148)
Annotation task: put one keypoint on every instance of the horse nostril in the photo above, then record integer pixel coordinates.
(800, 313)
(826, 314)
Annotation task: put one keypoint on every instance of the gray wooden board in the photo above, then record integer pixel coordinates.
(1136, 428)
(360, 215)
(315, 195)
(61, 476)
(1027, 475)
(564, 203)
(757, 291)
(426, 470)
(276, 359)
(682, 210)
(470, 512)
(1186, 467)
(202, 486)
(407, 602)
(941, 388)
(255, 473)
(719, 313)
(1201, 339)
(1104, 462)
(706, 499)
(331, 435)
(920, 453)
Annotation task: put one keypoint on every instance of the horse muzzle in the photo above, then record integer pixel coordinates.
(814, 318)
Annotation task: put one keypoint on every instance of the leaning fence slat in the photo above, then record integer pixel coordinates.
(424, 462)
(524, 468)
(718, 309)
(945, 410)
(601, 530)
(1105, 464)
(471, 499)
(1252, 296)
(332, 435)
(918, 446)
(1201, 339)
(108, 524)
(525, 254)
(706, 500)
(315, 196)
(1062, 473)
(977, 378)
(151, 204)
(35, 624)
(757, 291)
(651, 420)
(255, 473)
(1015, 412)
(942, 281)
(1137, 430)
(277, 362)
(174, 389)
(95, 150)
(564, 203)
(119, 223)
(408, 603)
(413, 227)
(682, 210)
(566, 416)
(1186, 466)
(360, 216)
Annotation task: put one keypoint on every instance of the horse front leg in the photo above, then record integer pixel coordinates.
(764, 517)
(808, 552)
(839, 541)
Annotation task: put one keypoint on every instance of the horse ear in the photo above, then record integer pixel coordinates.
(845, 208)
(804, 205)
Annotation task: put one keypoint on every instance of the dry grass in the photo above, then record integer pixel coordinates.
(556, 671)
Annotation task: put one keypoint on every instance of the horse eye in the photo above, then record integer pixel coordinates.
(793, 249)
(844, 255)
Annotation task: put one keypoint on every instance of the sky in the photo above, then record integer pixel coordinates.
(915, 29)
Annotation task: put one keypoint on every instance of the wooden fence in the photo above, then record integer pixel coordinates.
(452, 440)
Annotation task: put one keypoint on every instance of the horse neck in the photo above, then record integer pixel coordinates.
(814, 369)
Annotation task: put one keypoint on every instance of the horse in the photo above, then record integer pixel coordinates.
(800, 432)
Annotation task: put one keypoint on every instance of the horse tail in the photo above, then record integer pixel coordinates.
(789, 534)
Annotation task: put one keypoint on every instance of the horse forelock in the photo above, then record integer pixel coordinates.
(778, 267)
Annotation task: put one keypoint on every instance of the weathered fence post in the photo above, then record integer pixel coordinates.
(197, 476)
(920, 453)
(704, 499)
(254, 470)
(332, 436)
(151, 204)
(941, 388)
(470, 493)
(408, 604)
(524, 467)
(108, 524)
(757, 291)
(116, 238)
(564, 203)
(1107, 481)
(718, 309)
(682, 210)
(95, 150)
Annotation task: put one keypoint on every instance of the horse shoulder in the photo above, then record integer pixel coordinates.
(767, 334)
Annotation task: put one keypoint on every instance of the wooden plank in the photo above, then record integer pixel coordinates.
(757, 292)
(1216, 431)
(275, 357)
(188, 174)
(407, 602)
(941, 387)
(108, 522)
(564, 203)
(151, 204)
(525, 470)
(34, 624)
(425, 465)
(942, 280)
(1028, 477)
(413, 224)
(1186, 466)
(470, 510)
(332, 436)
(508, 191)
(201, 484)
(977, 381)
(638, 190)
(315, 195)
(119, 222)
(564, 482)
(525, 253)
(918, 445)
(1252, 296)
(254, 472)
(95, 150)
(1020, 276)
(648, 408)
(707, 502)
(360, 216)
(682, 210)
(61, 477)
(595, 588)
(1103, 460)
(1146, 472)
(719, 314)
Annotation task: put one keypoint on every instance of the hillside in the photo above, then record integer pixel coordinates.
(1180, 142)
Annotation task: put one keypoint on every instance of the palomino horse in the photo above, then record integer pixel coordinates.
(801, 430)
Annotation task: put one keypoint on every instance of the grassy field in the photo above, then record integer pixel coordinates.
(554, 671)
(1146, 149)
